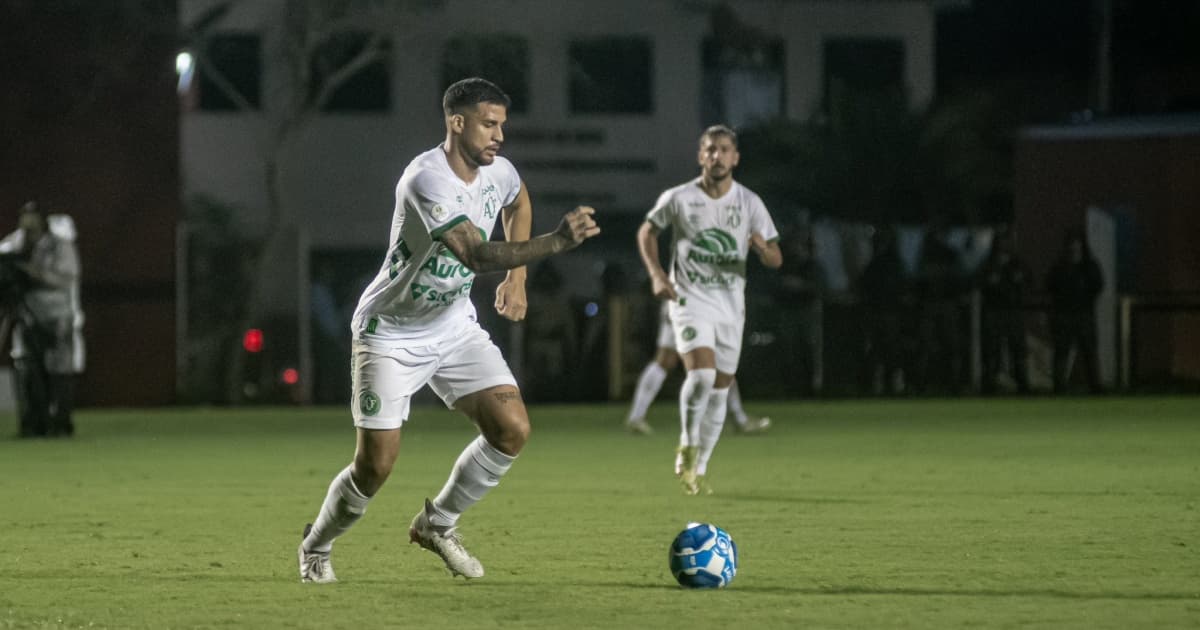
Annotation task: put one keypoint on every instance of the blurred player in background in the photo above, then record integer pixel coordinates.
(715, 222)
(415, 325)
(651, 379)
(39, 265)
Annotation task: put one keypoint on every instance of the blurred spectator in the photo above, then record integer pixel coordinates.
(1074, 283)
(552, 336)
(883, 290)
(940, 291)
(800, 288)
(331, 340)
(42, 306)
(1002, 282)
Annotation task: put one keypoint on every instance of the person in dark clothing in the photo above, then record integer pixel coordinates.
(940, 292)
(883, 290)
(1074, 283)
(1002, 282)
(799, 291)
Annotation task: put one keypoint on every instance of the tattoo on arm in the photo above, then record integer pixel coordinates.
(498, 256)
(507, 397)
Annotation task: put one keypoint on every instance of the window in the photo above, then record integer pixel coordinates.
(741, 84)
(368, 89)
(611, 75)
(231, 62)
(862, 66)
(501, 59)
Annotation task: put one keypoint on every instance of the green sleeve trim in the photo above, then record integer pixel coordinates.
(773, 240)
(438, 232)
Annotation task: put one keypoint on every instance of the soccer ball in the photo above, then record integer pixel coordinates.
(703, 556)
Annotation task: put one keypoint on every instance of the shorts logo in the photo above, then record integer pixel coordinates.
(689, 333)
(439, 212)
(368, 403)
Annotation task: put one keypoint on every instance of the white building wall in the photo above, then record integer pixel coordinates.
(340, 174)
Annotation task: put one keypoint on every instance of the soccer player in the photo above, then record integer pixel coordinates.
(651, 379)
(715, 222)
(415, 325)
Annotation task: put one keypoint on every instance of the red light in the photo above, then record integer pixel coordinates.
(291, 376)
(252, 341)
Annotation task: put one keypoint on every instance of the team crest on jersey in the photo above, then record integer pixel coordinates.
(688, 334)
(439, 212)
(733, 216)
(368, 403)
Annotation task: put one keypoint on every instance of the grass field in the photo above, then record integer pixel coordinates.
(923, 514)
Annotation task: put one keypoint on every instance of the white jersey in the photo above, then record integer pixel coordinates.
(710, 240)
(422, 291)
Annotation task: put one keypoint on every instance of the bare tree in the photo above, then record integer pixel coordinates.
(322, 45)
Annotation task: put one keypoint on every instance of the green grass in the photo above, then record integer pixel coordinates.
(923, 514)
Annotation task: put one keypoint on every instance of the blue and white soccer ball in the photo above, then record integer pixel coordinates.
(703, 556)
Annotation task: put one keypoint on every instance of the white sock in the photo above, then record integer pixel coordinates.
(693, 398)
(710, 428)
(649, 382)
(735, 404)
(344, 505)
(478, 469)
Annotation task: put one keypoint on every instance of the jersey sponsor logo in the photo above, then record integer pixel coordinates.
(719, 248)
(369, 403)
(715, 280)
(426, 293)
(439, 267)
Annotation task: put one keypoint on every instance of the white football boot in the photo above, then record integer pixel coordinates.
(754, 425)
(639, 426)
(445, 542)
(314, 565)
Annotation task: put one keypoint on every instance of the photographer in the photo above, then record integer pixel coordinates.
(39, 291)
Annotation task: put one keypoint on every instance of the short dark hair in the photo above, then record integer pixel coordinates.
(717, 131)
(473, 91)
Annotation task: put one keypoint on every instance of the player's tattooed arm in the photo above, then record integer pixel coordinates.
(483, 256)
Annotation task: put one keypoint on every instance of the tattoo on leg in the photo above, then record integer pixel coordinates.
(505, 397)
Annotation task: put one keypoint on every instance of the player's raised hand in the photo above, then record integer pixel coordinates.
(577, 226)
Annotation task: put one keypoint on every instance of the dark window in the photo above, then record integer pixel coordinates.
(612, 75)
(501, 59)
(742, 83)
(862, 66)
(368, 89)
(237, 59)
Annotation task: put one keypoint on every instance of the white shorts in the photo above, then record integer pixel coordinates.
(666, 332)
(384, 379)
(724, 338)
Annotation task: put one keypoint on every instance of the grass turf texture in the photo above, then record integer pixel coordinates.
(998, 513)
